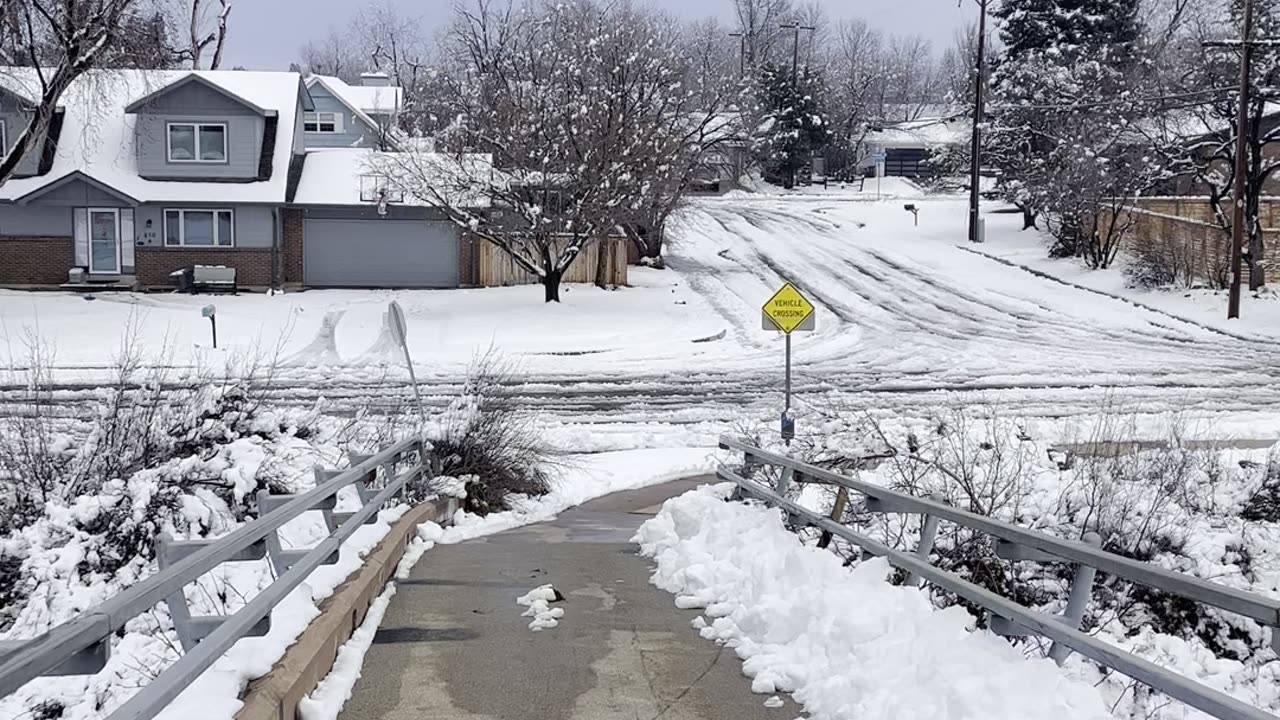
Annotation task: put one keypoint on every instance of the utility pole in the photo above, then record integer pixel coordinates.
(795, 48)
(975, 151)
(742, 53)
(1237, 196)
(795, 73)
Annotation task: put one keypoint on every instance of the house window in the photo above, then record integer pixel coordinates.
(321, 122)
(199, 228)
(197, 142)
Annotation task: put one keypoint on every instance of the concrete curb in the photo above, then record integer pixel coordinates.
(275, 696)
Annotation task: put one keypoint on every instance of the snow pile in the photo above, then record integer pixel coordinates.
(587, 477)
(539, 600)
(329, 697)
(843, 641)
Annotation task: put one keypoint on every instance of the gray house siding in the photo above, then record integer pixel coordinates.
(28, 221)
(254, 223)
(356, 132)
(77, 194)
(194, 97)
(244, 148)
(197, 103)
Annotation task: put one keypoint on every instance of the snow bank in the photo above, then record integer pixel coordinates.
(587, 478)
(329, 697)
(843, 641)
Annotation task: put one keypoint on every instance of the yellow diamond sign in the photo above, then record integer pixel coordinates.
(788, 310)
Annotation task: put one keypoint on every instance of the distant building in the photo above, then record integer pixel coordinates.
(907, 146)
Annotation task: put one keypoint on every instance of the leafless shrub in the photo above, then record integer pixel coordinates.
(486, 435)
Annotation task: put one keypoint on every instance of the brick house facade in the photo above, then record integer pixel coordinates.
(35, 261)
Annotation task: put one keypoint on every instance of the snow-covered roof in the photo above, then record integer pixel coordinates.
(373, 100)
(927, 133)
(347, 176)
(98, 138)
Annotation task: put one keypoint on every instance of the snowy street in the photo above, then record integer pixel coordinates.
(906, 319)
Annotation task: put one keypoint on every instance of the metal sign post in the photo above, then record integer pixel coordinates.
(786, 312)
(879, 157)
(399, 333)
(211, 312)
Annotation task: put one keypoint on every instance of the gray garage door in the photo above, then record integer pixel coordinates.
(380, 253)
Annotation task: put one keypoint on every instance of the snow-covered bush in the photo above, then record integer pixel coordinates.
(89, 486)
(1211, 512)
(488, 438)
(1149, 271)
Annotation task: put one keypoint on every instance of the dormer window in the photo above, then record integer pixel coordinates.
(197, 142)
(322, 122)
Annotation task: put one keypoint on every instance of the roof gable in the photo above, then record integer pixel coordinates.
(186, 80)
(331, 90)
(71, 179)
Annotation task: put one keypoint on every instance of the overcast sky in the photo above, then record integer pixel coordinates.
(266, 34)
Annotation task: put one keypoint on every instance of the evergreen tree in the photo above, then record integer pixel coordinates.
(1064, 65)
(792, 127)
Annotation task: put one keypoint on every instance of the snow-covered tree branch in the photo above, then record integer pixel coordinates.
(62, 40)
(589, 115)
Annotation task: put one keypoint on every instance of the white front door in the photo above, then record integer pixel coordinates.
(104, 241)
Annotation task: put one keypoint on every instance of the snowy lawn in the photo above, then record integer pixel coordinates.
(1259, 315)
(843, 641)
(446, 327)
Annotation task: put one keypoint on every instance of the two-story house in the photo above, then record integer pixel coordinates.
(146, 173)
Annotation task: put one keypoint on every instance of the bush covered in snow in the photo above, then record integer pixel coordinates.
(1149, 271)
(489, 439)
(1210, 512)
(89, 496)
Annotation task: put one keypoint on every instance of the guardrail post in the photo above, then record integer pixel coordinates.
(928, 531)
(179, 610)
(837, 512)
(784, 481)
(1077, 600)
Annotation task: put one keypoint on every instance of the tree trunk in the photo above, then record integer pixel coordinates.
(551, 284)
(1257, 269)
(1028, 219)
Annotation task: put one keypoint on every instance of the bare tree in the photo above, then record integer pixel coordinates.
(585, 108)
(1210, 136)
(911, 78)
(957, 67)
(854, 78)
(334, 54)
(62, 40)
(202, 38)
(760, 22)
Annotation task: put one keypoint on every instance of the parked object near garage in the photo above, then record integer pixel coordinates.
(206, 278)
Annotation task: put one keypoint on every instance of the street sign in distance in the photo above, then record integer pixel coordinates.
(789, 310)
(879, 157)
(395, 322)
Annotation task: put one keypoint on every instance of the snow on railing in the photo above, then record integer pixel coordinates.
(81, 646)
(1018, 543)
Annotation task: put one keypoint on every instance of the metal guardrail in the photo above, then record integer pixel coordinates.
(81, 646)
(1018, 543)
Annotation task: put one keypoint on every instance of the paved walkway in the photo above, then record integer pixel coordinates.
(453, 644)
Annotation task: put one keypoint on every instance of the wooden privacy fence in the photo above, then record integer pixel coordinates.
(1185, 234)
(601, 263)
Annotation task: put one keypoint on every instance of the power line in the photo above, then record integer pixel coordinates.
(1106, 103)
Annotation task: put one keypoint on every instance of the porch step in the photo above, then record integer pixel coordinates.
(103, 283)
